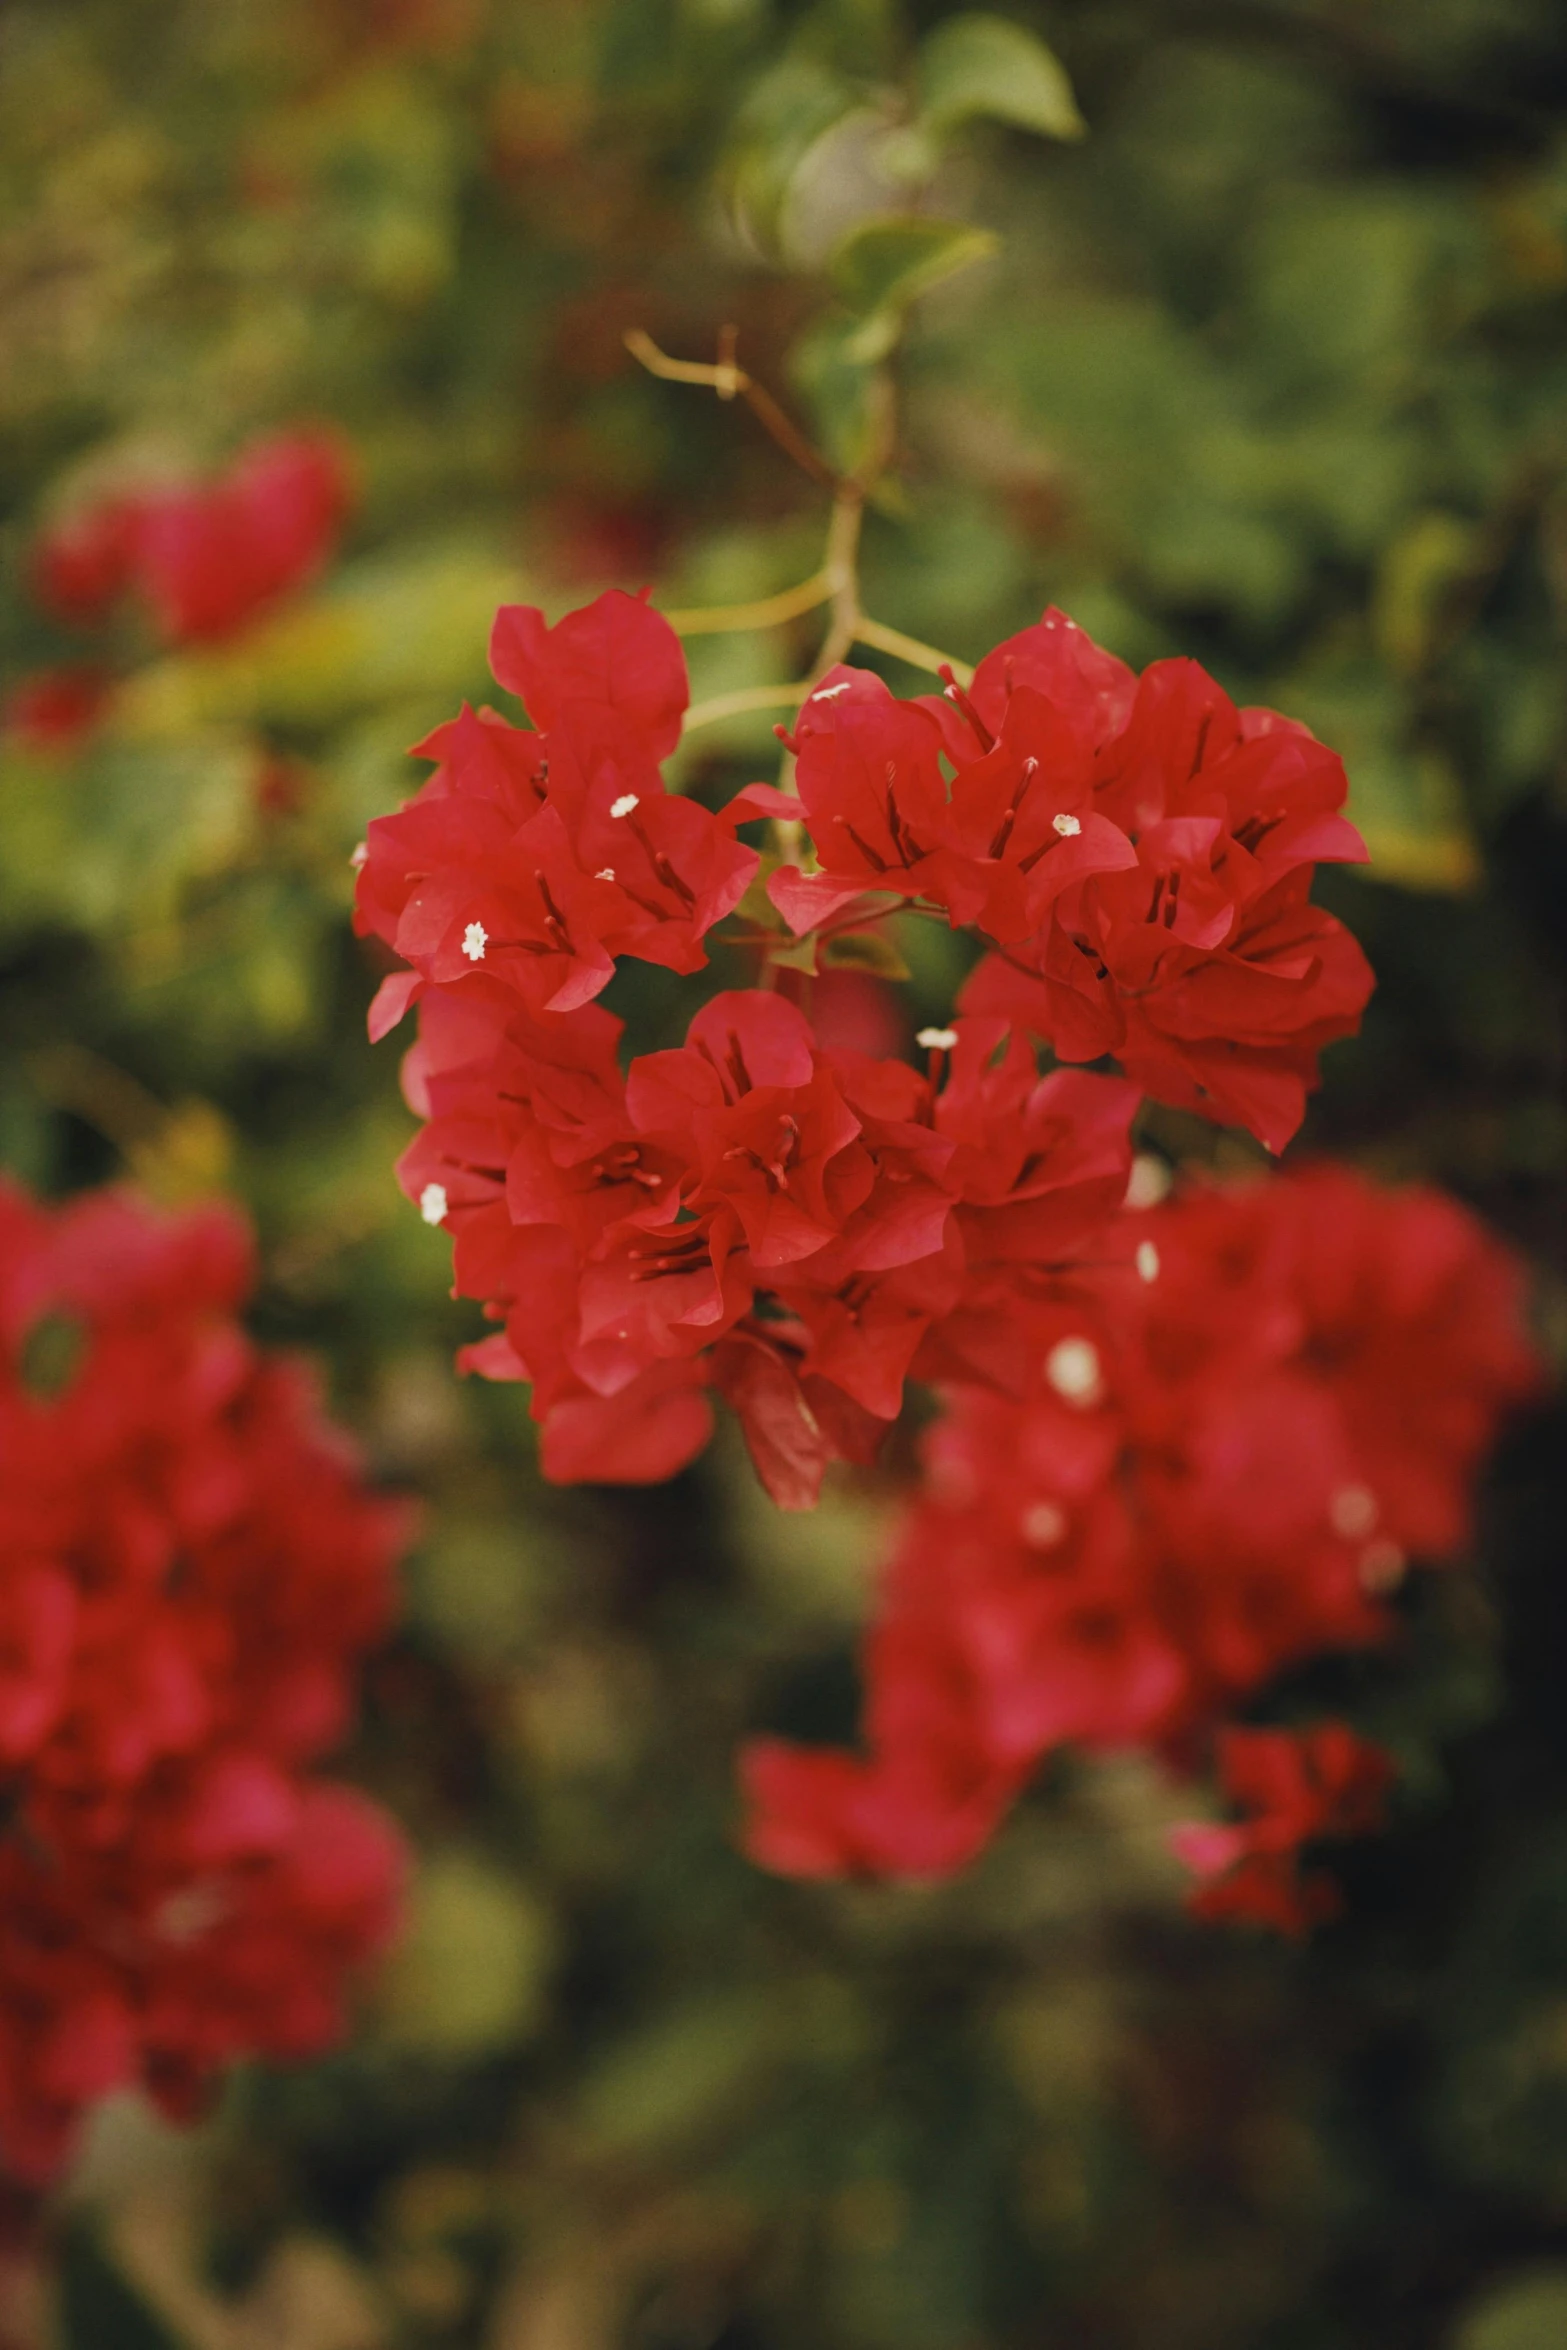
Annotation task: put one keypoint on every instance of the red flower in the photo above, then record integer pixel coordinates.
(192, 1568)
(1298, 1787)
(1218, 1459)
(207, 557)
(55, 709)
(1140, 849)
(533, 859)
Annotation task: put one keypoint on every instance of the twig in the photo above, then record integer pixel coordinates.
(910, 649)
(767, 612)
(745, 697)
(728, 380)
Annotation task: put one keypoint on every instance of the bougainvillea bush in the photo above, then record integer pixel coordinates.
(830, 1610)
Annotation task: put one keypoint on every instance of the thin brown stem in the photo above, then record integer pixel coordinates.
(729, 380)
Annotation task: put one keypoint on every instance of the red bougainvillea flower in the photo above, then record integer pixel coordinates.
(207, 558)
(1221, 1460)
(789, 1224)
(1139, 851)
(1298, 1787)
(190, 1568)
(55, 709)
(531, 860)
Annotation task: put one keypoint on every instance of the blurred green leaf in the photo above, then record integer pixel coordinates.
(787, 111)
(883, 266)
(986, 66)
(470, 1973)
(1526, 2312)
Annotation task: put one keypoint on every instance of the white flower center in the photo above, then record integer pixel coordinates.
(1353, 1511)
(1068, 826)
(830, 693)
(1147, 1261)
(1072, 1369)
(937, 1040)
(1148, 1183)
(474, 941)
(624, 805)
(1042, 1525)
(433, 1203)
(605, 873)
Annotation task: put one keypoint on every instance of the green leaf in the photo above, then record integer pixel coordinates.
(884, 265)
(984, 66)
(1526, 2312)
(470, 1975)
(786, 113)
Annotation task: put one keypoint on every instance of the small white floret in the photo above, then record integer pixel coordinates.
(605, 873)
(1042, 1525)
(1072, 1368)
(1148, 1183)
(474, 941)
(1147, 1261)
(937, 1040)
(1068, 826)
(624, 805)
(1353, 1511)
(433, 1203)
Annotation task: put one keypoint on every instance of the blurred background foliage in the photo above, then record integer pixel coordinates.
(1270, 366)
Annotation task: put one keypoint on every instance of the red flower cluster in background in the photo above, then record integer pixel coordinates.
(190, 1566)
(1226, 1456)
(206, 557)
(800, 1226)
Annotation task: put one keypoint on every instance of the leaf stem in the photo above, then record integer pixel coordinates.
(745, 697)
(767, 612)
(728, 380)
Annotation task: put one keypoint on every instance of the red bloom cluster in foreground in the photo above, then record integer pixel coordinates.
(1222, 1465)
(190, 1567)
(803, 1228)
(205, 557)
(1137, 852)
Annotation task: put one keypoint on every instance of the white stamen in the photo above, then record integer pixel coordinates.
(1353, 1511)
(1072, 1368)
(1382, 1566)
(1149, 1181)
(1042, 1525)
(830, 693)
(433, 1203)
(937, 1040)
(605, 873)
(1147, 1261)
(624, 805)
(1068, 826)
(360, 855)
(474, 941)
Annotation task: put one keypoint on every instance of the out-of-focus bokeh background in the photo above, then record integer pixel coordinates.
(1269, 367)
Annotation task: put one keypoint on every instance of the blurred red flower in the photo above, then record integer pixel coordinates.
(191, 1568)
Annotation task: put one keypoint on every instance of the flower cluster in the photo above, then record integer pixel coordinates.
(1225, 1458)
(799, 1226)
(204, 557)
(1137, 852)
(190, 1566)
